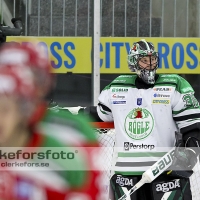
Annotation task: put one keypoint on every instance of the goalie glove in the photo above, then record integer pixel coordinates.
(183, 162)
(185, 159)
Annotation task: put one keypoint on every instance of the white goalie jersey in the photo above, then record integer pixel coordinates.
(146, 119)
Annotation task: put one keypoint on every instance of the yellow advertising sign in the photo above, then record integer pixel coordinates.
(73, 54)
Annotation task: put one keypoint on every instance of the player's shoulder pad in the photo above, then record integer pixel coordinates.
(175, 80)
(123, 80)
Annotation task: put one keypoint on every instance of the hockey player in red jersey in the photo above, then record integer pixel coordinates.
(17, 104)
(25, 82)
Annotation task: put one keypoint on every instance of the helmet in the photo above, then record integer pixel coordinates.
(29, 55)
(140, 50)
(18, 83)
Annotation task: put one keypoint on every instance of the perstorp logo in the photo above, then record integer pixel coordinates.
(128, 146)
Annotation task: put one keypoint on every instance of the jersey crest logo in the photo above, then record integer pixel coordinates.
(139, 123)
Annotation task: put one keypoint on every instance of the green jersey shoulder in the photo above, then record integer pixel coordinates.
(180, 84)
(122, 81)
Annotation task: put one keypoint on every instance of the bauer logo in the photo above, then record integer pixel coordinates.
(168, 186)
(161, 165)
(129, 146)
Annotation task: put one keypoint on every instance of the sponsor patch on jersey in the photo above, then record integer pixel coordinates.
(119, 81)
(119, 89)
(119, 102)
(162, 89)
(124, 181)
(168, 186)
(161, 101)
(126, 76)
(139, 123)
(139, 101)
(129, 146)
(117, 96)
(159, 95)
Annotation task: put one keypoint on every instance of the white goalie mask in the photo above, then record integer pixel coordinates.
(143, 60)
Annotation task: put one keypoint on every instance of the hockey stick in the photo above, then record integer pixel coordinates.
(153, 172)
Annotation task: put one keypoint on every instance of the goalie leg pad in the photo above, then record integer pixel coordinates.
(120, 184)
(164, 186)
(171, 188)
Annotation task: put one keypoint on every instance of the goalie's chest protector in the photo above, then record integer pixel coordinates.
(144, 125)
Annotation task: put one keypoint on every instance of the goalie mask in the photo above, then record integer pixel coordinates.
(143, 60)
